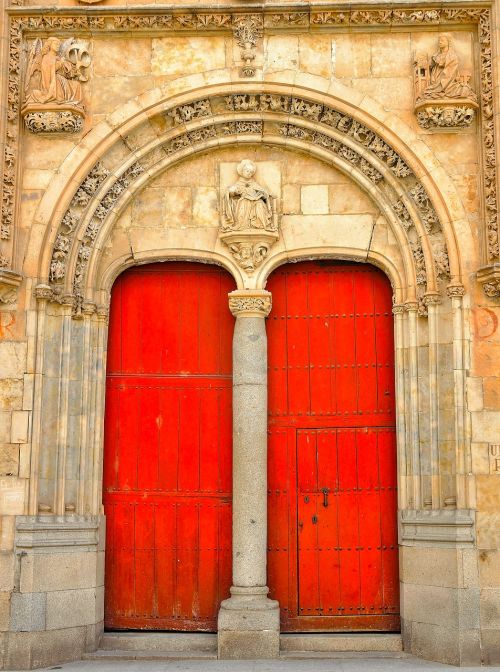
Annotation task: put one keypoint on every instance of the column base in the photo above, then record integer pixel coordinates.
(248, 625)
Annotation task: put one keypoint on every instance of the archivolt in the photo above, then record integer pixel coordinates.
(328, 128)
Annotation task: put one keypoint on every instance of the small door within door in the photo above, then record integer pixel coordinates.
(346, 556)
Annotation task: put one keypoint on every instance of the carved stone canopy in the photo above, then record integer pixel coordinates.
(249, 224)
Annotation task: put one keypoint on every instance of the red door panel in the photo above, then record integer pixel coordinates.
(333, 555)
(167, 462)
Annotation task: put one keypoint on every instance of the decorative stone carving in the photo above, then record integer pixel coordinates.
(9, 283)
(249, 219)
(250, 303)
(53, 122)
(247, 29)
(489, 278)
(53, 92)
(443, 95)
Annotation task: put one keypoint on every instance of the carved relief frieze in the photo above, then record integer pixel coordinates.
(53, 96)
(443, 95)
(249, 219)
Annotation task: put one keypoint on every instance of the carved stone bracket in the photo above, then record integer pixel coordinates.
(9, 283)
(489, 278)
(60, 121)
(249, 248)
(445, 114)
(250, 303)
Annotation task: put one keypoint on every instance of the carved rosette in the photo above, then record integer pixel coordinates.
(250, 303)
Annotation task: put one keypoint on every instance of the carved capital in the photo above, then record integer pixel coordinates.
(431, 299)
(398, 309)
(250, 303)
(43, 293)
(455, 289)
(411, 306)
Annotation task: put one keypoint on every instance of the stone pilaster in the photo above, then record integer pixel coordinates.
(249, 620)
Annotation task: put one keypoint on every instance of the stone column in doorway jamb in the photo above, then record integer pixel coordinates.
(248, 624)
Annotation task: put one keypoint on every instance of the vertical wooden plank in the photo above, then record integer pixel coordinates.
(168, 449)
(345, 344)
(188, 311)
(144, 559)
(298, 344)
(189, 440)
(308, 516)
(209, 322)
(364, 334)
(114, 354)
(208, 578)
(165, 559)
(187, 588)
(130, 435)
(276, 326)
(150, 327)
(319, 324)
(209, 440)
(150, 425)
(131, 302)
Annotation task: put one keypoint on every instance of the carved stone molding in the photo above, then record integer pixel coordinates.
(250, 303)
(69, 533)
(441, 527)
(489, 278)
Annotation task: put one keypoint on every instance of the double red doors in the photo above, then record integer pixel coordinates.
(167, 468)
(332, 532)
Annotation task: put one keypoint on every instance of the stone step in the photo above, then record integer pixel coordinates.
(338, 642)
(191, 642)
(153, 654)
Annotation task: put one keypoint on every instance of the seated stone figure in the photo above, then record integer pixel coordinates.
(247, 205)
(444, 76)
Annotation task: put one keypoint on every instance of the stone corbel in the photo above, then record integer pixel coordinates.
(9, 283)
(445, 113)
(489, 278)
(249, 247)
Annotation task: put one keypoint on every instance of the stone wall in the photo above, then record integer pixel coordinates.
(163, 107)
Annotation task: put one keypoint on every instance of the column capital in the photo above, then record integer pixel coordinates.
(250, 302)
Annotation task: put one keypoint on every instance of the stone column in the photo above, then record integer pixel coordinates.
(249, 621)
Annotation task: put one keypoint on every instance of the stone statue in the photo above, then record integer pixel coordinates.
(246, 204)
(249, 219)
(441, 75)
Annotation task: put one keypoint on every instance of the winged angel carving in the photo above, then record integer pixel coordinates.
(55, 72)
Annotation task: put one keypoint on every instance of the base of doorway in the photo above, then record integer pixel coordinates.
(201, 646)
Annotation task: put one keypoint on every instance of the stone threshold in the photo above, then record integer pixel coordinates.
(203, 646)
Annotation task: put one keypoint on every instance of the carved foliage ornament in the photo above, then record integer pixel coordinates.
(246, 303)
(249, 219)
(53, 98)
(247, 30)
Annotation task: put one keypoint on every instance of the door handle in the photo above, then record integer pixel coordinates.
(325, 497)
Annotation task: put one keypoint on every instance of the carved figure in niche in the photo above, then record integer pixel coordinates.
(53, 78)
(246, 204)
(249, 221)
(53, 84)
(443, 96)
(439, 76)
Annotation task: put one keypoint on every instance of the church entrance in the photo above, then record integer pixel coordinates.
(332, 476)
(167, 466)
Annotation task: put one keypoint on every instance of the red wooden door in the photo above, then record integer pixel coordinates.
(332, 549)
(167, 454)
